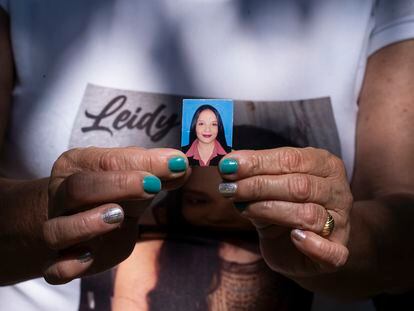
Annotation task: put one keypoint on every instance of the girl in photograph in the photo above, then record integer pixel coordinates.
(207, 140)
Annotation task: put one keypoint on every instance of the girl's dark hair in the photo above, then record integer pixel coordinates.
(221, 138)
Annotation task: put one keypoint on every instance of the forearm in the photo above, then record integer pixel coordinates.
(23, 210)
(380, 250)
(381, 245)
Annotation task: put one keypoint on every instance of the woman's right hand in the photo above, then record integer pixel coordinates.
(96, 196)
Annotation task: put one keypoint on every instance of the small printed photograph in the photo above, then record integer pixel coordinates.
(207, 130)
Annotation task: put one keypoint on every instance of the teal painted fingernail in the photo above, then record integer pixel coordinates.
(240, 206)
(177, 164)
(151, 184)
(228, 166)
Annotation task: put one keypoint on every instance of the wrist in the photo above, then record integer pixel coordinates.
(23, 210)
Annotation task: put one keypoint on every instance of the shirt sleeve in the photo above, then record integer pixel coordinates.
(393, 22)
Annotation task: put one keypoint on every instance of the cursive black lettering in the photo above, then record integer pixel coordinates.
(106, 112)
(122, 116)
(131, 122)
(165, 127)
(155, 124)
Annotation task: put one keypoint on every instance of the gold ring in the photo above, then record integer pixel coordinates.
(329, 225)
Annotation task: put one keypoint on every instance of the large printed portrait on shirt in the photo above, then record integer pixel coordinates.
(194, 250)
(207, 130)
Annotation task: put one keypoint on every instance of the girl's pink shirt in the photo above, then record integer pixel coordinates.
(193, 152)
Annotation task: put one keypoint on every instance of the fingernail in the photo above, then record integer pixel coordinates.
(298, 235)
(177, 164)
(228, 166)
(151, 184)
(113, 215)
(85, 257)
(240, 206)
(227, 189)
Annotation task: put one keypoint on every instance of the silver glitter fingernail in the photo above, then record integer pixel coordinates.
(113, 215)
(228, 189)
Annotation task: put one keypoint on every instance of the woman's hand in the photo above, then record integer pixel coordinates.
(287, 194)
(96, 196)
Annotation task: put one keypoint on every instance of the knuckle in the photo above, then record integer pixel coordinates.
(323, 153)
(290, 160)
(300, 187)
(342, 258)
(267, 206)
(74, 188)
(308, 216)
(334, 255)
(256, 163)
(336, 165)
(339, 164)
(145, 161)
(257, 187)
(122, 180)
(65, 161)
(51, 234)
(149, 162)
(108, 161)
(320, 153)
(83, 227)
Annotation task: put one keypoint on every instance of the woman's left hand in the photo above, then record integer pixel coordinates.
(288, 194)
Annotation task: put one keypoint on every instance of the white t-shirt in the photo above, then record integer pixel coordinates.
(284, 60)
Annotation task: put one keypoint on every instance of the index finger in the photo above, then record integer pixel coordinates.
(285, 160)
(164, 163)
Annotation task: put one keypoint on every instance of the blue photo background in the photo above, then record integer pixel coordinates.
(223, 106)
